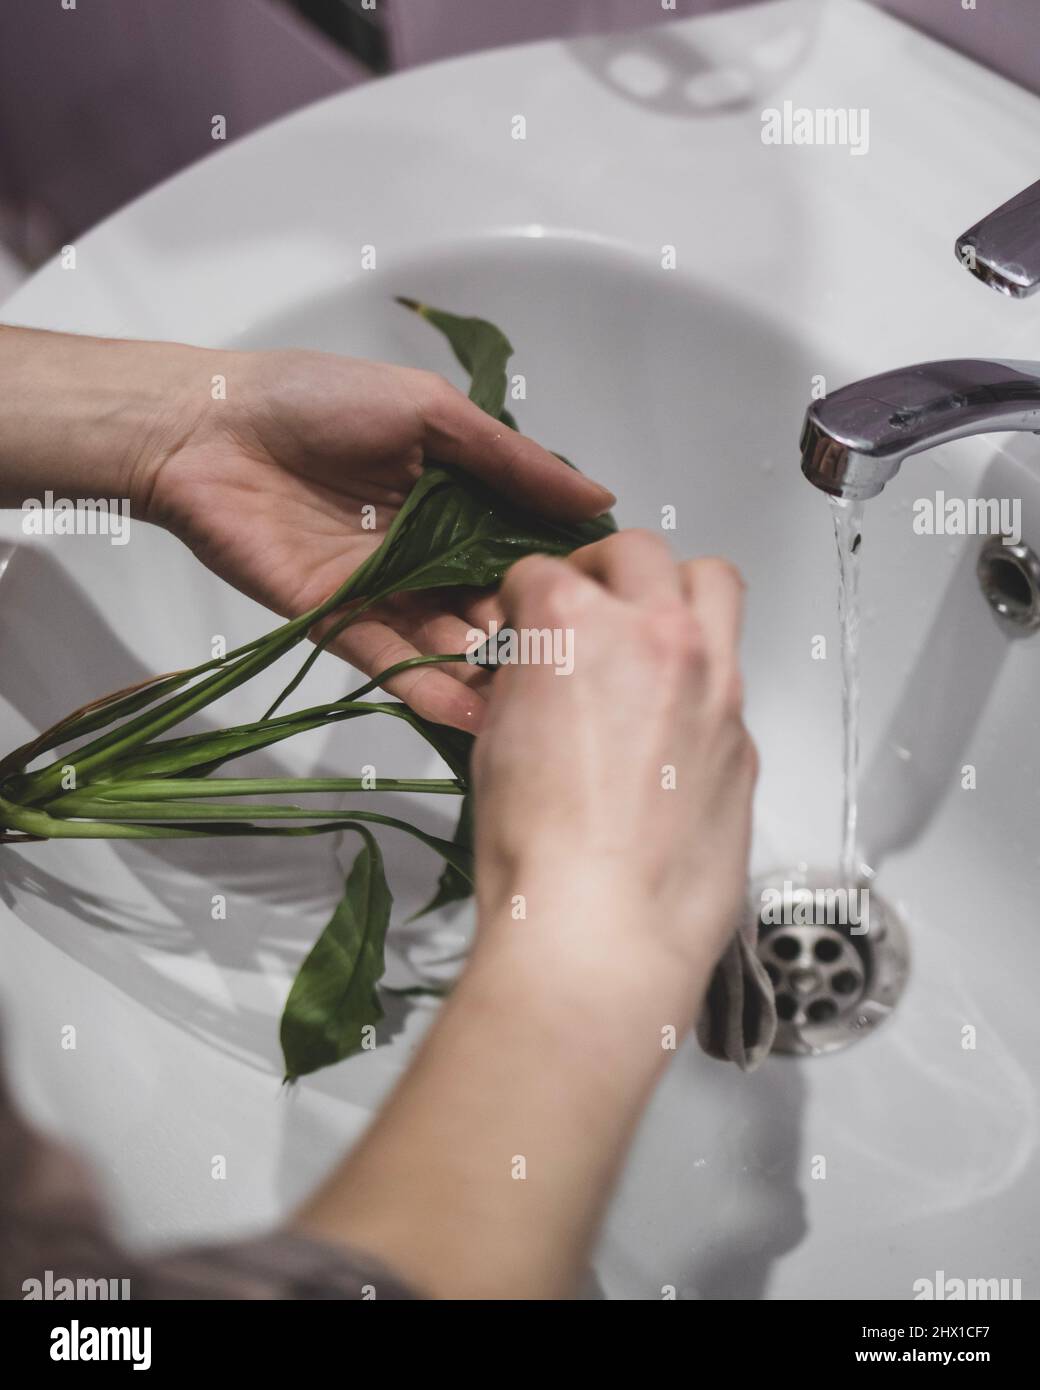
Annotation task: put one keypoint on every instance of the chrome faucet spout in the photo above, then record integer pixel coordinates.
(1003, 250)
(854, 440)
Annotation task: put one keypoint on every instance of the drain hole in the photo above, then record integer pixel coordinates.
(1010, 579)
(1011, 584)
(832, 988)
(827, 950)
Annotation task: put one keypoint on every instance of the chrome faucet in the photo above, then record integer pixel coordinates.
(854, 440)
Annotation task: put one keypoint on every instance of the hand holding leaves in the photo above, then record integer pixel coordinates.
(287, 532)
(294, 481)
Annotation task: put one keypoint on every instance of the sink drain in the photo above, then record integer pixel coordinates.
(1010, 579)
(834, 982)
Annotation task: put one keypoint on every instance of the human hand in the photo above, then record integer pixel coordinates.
(267, 487)
(550, 1044)
(571, 772)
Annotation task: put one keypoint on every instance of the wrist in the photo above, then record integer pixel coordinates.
(91, 417)
(594, 946)
(174, 392)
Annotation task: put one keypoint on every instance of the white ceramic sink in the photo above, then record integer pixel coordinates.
(682, 387)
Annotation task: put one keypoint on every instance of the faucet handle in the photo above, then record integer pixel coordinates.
(1003, 250)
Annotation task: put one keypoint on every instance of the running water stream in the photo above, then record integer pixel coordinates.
(848, 520)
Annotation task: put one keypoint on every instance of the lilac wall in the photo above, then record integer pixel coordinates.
(1003, 34)
(423, 30)
(101, 102)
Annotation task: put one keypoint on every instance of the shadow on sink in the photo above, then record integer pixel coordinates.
(768, 1218)
(918, 759)
(713, 1187)
(142, 898)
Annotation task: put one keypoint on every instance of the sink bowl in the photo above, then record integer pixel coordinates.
(851, 1175)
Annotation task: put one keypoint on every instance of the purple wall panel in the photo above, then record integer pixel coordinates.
(423, 30)
(101, 102)
(1003, 34)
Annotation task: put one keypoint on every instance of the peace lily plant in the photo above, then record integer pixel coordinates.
(120, 775)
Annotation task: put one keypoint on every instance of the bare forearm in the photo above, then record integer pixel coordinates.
(486, 1173)
(82, 416)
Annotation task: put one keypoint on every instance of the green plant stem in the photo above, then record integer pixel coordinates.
(39, 824)
(187, 812)
(40, 786)
(319, 646)
(396, 670)
(162, 789)
(257, 656)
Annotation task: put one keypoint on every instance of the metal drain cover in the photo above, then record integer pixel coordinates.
(838, 962)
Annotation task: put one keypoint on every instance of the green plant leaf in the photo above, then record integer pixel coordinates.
(481, 348)
(454, 886)
(199, 755)
(191, 754)
(459, 533)
(334, 997)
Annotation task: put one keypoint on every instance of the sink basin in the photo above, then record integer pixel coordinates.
(847, 1176)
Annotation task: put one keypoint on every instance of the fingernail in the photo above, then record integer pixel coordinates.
(474, 718)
